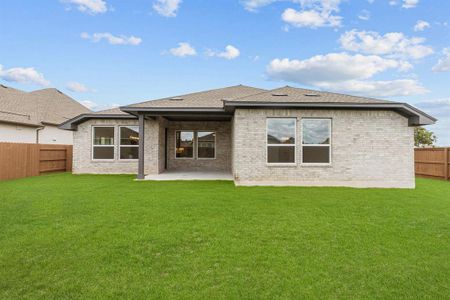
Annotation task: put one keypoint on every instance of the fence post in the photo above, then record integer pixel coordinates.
(446, 162)
(69, 157)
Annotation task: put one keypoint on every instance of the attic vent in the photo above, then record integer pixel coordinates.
(312, 95)
(279, 94)
(176, 99)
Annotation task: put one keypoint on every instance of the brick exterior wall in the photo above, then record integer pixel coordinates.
(154, 148)
(222, 162)
(369, 149)
(82, 149)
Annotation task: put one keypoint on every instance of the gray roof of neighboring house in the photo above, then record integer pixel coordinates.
(222, 102)
(47, 106)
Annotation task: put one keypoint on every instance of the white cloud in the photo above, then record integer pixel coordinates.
(421, 25)
(364, 15)
(332, 67)
(96, 107)
(183, 50)
(112, 39)
(314, 14)
(253, 5)
(167, 8)
(346, 73)
(405, 3)
(74, 86)
(368, 88)
(410, 3)
(92, 7)
(23, 75)
(310, 18)
(230, 52)
(443, 64)
(395, 44)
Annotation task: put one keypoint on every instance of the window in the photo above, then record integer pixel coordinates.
(206, 144)
(184, 144)
(129, 142)
(316, 141)
(281, 140)
(103, 142)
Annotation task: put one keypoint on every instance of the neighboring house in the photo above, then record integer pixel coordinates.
(285, 136)
(34, 117)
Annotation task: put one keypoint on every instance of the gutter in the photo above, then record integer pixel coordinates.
(37, 133)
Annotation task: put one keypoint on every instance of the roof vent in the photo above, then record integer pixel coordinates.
(279, 94)
(312, 95)
(176, 99)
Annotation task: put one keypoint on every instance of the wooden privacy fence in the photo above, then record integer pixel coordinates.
(19, 160)
(432, 162)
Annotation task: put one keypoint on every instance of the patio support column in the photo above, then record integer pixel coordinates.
(141, 147)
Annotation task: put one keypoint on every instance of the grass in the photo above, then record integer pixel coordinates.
(93, 236)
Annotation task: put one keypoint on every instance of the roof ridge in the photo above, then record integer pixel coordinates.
(316, 91)
(194, 93)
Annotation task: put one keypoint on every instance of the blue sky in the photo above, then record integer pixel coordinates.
(110, 52)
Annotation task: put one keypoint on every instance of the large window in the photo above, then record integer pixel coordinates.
(316, 141)
(184, 144)
(102, 142)
(281, 140)
(129, 142)
(206, 144)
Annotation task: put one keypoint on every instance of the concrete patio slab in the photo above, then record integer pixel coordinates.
(190, 175)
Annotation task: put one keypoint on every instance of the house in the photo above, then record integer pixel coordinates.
(34, 117)
(285, 136)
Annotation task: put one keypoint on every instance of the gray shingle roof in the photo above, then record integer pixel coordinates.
(289, 94)
(210, 98)
(35, 108)
(223, 101)
(111, 111)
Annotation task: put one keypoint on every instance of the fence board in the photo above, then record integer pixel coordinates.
(432, 162)
(18, 160)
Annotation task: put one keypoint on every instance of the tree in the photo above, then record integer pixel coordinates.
(423, 137)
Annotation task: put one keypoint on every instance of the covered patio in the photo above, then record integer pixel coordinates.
(193, 144)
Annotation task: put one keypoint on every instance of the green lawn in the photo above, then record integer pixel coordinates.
(66, 236)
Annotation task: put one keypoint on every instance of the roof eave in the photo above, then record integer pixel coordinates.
(135, 110)
(72, 123)
(21, 123)
(415, 116)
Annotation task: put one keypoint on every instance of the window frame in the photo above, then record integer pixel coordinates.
(196, 145)
(193, 143)
(282, 145)
(113, 145)
(128, 146)
(329, 163)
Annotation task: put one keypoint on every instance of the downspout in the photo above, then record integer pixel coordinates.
(37, 133)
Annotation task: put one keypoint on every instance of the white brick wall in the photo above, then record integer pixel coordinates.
(82, 149)
(369, 149)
